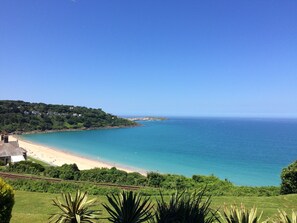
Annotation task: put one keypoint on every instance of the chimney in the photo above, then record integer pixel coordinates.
(6, 139)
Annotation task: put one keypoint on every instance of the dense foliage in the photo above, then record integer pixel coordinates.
(20, 116)
(26, 167)
(289, 179)
(65, 172)
(6, 201)
(59, 187)
(151, 183)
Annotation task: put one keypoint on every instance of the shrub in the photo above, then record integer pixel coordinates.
(6, 201)
(282, 217)
(128, 207)
(155, 179)
(289, 179)
(75, 209)
(239, 215)
(52, 171)
(185, 208)
(69, 172)
(2, 163)
(26, 167)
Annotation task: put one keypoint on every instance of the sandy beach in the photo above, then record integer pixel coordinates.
(57, 157)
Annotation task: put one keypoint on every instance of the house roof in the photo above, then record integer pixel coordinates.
(11, 149)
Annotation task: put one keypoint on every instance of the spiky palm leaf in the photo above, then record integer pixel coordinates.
(128, 207)
(284, 218)
(185, 208)
(75, 209)
(239, 215)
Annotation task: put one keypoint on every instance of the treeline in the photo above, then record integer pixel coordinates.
(20, 116)
(167, 182)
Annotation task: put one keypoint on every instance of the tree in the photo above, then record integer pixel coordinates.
(289, 179)
(6, 201)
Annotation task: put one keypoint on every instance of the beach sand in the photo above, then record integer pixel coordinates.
(57, 157)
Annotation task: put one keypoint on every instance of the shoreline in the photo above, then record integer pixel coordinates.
(57, 157)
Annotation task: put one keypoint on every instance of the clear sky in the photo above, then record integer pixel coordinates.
(152, 57)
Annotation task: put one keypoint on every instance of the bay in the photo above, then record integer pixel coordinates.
(246, 151)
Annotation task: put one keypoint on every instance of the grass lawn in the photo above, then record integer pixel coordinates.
(36, 207)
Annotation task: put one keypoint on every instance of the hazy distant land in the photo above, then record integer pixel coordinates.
(147, 118)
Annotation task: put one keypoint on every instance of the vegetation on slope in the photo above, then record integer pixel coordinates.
(20, 116)
(152, 182)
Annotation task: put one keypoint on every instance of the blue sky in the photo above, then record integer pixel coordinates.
(152, 57)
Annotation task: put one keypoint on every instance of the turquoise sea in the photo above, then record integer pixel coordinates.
(246, 151)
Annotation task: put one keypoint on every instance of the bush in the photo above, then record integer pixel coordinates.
(65, 172)
(6, 201)
(289, 179)
(239, 215)
(2, 163)
(128, 207)
(26, 167)
(155, 179)
(69, 172)
(184, 208)
(75, 209)
(112, 175)
(52, 171)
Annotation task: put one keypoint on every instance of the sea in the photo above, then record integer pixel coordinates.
(245, 151)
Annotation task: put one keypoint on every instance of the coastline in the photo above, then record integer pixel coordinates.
(57, 157)
(17, 134)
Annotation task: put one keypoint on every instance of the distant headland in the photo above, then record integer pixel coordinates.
(22, 117)
(147, 119)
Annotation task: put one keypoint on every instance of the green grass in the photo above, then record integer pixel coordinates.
(36, 207)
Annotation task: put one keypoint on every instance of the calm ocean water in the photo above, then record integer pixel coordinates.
(244, 151)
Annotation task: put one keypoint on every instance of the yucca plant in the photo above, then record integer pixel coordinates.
(185, 208)
(75, 209)
(128, 207)
(239, 215)
(284, 218)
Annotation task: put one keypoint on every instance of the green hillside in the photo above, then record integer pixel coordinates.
(20, 116)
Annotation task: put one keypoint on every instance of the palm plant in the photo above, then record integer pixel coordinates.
(185, 208)
(128, 207)
(284, 218)
(75, 209)
(239, 215)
